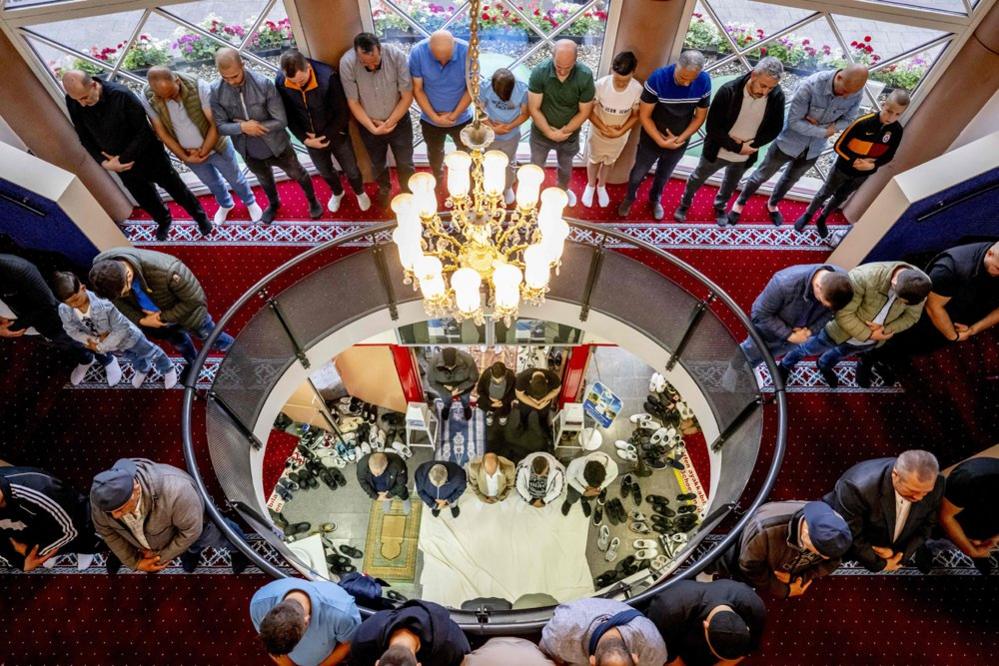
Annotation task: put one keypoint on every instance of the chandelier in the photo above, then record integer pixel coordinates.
(479, 255)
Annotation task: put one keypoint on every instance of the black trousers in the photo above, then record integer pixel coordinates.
(400, 140)
(572, 496)
(834, 192)
(435, 136)
(141, 180)
(287, 162)
(343, 150)
(486, 405)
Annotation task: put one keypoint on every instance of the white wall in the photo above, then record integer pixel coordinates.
(984, 123)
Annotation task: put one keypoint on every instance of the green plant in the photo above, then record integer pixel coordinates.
(272, 34)
(146, 52)
(194, 46)
(702, 35)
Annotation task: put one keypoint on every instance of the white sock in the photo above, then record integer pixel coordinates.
(333, 205)
(83, 561)
(138, 378)
(603, 199)
(170, 379)
(113, 370)
(255, 212)
(79, 373)
(587, 198)
(363, 201)
(221, 214)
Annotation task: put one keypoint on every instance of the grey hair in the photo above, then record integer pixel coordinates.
(691, 60)
(770, 66)
(438, 475)
(921, 464)
(378, 463)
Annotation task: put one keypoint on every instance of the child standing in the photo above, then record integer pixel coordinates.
(101, 328)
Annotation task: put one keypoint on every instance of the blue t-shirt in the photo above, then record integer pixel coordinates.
(334, 618)
(443, 85)
(675, 104)
(504, 112)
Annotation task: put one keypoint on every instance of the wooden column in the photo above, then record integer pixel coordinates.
(45, 129)
(965, 87)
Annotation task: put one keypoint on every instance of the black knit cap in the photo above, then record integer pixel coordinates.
(728, 635)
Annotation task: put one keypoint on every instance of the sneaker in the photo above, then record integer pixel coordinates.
(270, 213)
(625, 207)
(333, 205)
(658, 212)
(113, 370)
(170, 379)
(829, 375)
(138, 378)
(508, 196)
(255, 211)
(315, 209)
(775, 217)
(163, 231)
(733, 218)
(801, 223)
(603, 199)
(572, 198)
(79, 373)
(680, 214)
(363, 201)
(503, 420)
(587, 197)
(222, 213)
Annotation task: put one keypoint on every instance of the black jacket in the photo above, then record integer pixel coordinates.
(25, 291)
(442, 642)
(116, 125)
(486, 378)
(679, 613)
(396, 471)
(724, 111)
(321, 110)
(40, 511)
(865, 497)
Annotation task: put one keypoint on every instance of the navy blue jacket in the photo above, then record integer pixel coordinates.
(321, 109)
(442, 642)
(450, 491)
(788, 302)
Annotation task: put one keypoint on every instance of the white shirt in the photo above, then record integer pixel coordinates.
(746, 125)
(614, 106)
(135, 522)
(902, 507)
(574, 472)
(186, 132)
(492, 482)
(879, 319)
(7, 313)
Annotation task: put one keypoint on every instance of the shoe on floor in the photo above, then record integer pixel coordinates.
(163, 231)
(625, 207)
(680, 214)
(455, 511)
(658, 212)
(255, 211)
(598, 515)
(363, 201)
(801, 223)
(572, 198)
(333, 205)
(775, 217)
(733, 218)
(270, 213)
(721, 219)
(603, 540)
(586, 508)
(822, 227)
(315, 209)
(611, 553)
(829, 375)
(138, 378)
(221, 214)
(587, 198)
(350, 551)
(566, 507)
(435, 512)
(603, 199)
(113, 370)
(190, 561)
(79, 373)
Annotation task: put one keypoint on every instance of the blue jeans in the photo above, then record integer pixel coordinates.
(754, 357)
(219, 166)
(212, 536)
(178, 337)
(144, 355)
(822, 345)
(650, 153)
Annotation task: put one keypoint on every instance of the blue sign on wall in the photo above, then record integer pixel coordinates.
(602, 404)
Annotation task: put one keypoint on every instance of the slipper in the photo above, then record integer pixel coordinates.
(686, 497)
(686, 508)
(351, 552)
(645, 544)
(647, 554)
(604, 539)
(395, 596)
(611, 553)
(639, 527)
(657, 383)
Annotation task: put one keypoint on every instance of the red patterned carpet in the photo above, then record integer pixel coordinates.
(202, 619)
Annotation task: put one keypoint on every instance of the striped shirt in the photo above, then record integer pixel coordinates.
(31, 510)
(675, 104)
(867, 137)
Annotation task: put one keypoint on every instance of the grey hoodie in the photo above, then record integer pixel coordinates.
(174, 515)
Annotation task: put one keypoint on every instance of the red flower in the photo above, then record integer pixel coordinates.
(537, 12)
(867, 38)
(485, 16)
(806, 42)
(853, 43)
(763, 51)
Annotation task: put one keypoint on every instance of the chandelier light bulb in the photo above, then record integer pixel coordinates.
(506, 283)
(459, 180)
(553, 240)
(529, 179)
(406, 214)
(466, 283)
(537, 267)
(422, 186)
(553, 203)
(428, 270)
(494, 165)
(408, 242)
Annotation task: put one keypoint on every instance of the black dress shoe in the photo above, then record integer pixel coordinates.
(395, 596)
(315, 208)
(163, 230)
(680, 214)
(628, 565)
(606, 578)
(615, 512)
(467, 411)
(565, 508)
(829, 375)
(923, 559)
(686, 497)
(626, 482)
(686, 508)
(455, 511)
(270, 212)
(801, 223)
(112, 563)
(598, 515)
(350, 551)
(297, 528)
(585, 506)
(775, 217)
(205, 226)
(822, 227)
(675, 464)
(664, 511)
(656, 499)
(446, 413)
(733, 218)
(435, 512)
(636, 494)
(338, 477)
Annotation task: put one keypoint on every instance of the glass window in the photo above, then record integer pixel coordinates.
(103, 38)
(230, 20)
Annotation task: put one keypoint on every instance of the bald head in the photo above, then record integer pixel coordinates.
(162, 82)
(81, 87)
(564, 55)
(850, 79)
(230, 65)
(441, 45)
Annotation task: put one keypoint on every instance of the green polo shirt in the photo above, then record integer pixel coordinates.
(561, 98)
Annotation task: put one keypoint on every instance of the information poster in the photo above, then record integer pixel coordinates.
(602, 404)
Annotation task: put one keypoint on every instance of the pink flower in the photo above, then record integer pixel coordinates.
(806, 42)
(867, 38)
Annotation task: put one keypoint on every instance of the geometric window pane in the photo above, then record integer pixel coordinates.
(748, 21)
(273, 36)
(944, 6)
(704, 36)
(906, 74)
(155, 45)
(811, 48)
(587, 29)
(102, 37)
(229, 21)
(872, 41)
(58, 61)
